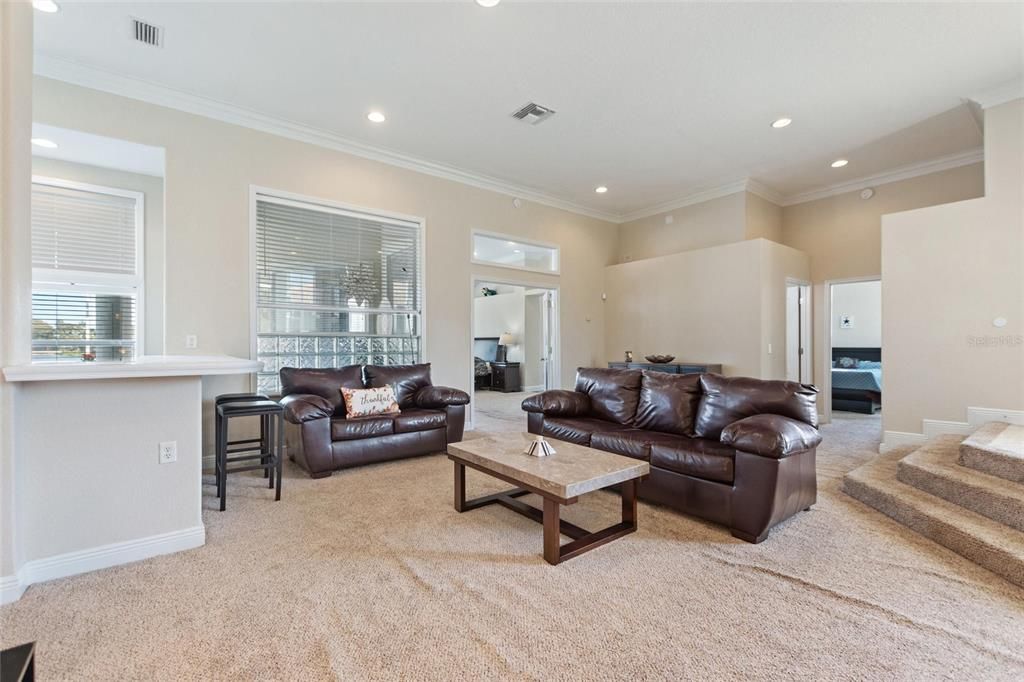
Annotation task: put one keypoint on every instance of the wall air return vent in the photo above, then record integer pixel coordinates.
(147, 33)
(534, 113)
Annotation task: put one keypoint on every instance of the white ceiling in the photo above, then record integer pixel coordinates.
(656, 101)
(96, 150)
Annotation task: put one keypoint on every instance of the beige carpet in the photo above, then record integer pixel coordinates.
(370, 574)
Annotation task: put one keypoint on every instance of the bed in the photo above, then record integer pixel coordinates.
(857, 380)
(485, 351)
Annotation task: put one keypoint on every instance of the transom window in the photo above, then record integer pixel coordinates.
(86, 272)
(334, 287)
(509, 252)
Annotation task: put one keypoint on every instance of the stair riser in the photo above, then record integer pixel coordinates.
(991, 557)
(1006, 510)
(992, 463)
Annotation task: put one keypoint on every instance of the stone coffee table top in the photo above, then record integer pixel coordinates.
(572, 471)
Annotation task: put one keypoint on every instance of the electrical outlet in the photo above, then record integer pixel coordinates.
(191, 341)
(168, 451)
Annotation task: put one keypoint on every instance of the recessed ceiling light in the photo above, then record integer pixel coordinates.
(487, 3)
(48, 6)
(601, 190)
(376, 117)
(781, 122)
(839, 163)
(43, 142)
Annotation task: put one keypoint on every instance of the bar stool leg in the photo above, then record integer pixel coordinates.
(279, 454)
(216, 457)
(265, 445)
(268, 461)
(222, 456)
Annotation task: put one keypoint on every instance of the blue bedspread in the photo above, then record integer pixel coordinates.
(857, 379)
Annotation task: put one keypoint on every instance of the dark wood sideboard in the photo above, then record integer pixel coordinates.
(670, 367)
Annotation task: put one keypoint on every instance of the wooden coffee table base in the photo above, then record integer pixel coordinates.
(554, 527)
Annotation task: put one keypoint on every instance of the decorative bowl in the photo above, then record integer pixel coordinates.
(660, 359)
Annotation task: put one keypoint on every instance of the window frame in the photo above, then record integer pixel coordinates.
(519, 240)
(49, 279)
(258, 192)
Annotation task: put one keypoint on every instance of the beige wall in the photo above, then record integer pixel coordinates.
(506, 312)
(862, 302)
(842, 234)
(715, 305)
(710, 223)
(210, 167)
(763, 218)
(15, 244)
(153, 190)
(947, 273)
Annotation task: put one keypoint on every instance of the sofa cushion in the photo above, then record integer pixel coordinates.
(416, 419)
(361, 427)
(613, 393)
(668, 402)
(729, 399)
(405, 379)
(707, 459)
(326, 383)
(577, 429)
(634, 443)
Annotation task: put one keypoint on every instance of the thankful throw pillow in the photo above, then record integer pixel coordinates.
(362, 402)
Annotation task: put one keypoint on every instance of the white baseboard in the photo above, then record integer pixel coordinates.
(533, 389)
(96, 558)
(930, 428)
(11, 589)
(898, 439)
(977, 416)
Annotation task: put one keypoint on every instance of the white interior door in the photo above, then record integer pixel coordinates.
(547, 345)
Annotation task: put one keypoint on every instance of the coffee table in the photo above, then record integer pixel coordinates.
(560, 479)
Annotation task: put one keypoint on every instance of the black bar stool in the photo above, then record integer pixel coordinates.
(270, 448)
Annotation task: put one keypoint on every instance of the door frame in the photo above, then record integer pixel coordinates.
(826, 360)
(806, 360)
(555, 357)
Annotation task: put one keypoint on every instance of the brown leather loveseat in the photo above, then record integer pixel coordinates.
(322, 440)
(732, 450)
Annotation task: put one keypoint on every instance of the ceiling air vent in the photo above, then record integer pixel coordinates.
(534, 113)
(147, 33)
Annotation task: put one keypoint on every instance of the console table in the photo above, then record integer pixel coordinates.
(670, 367)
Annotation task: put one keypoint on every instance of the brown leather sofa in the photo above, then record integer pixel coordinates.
(322, 440)
(732, 450)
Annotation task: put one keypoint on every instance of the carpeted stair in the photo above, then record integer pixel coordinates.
(944, 491)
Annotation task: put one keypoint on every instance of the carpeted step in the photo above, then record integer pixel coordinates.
(934, 468)
(987, 543)
(997, 448)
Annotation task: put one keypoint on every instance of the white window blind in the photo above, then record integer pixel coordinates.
(334, 288)
(86, 272)
(80, 230)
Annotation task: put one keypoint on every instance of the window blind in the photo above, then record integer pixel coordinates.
(334, 288)
(79, 230)
(309, 258)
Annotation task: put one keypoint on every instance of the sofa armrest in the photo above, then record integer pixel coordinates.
(558, 403)
(305, 407)
(440, 397)
(771, 435)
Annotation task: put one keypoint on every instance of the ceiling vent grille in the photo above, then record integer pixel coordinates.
(147, 33)
(534, 113)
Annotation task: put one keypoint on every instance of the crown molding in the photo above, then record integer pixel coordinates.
(689, 200)
(765, 192)
(147, 91)
(895, 175)
(1001, 94)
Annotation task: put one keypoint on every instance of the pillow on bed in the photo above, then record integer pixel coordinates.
(869, 364)
(847, 363)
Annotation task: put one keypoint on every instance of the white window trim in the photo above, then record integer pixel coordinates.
(75, 280)
(257, 192)
(519, 240)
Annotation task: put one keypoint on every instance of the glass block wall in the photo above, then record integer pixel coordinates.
(325, 352)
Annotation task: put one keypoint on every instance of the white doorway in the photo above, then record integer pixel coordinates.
(852, 376)
(798, 331)
(514, 336)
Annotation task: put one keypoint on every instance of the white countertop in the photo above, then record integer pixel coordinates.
(142, 367)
